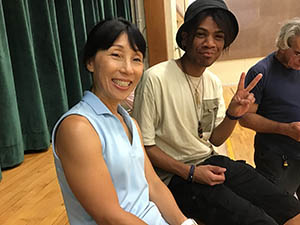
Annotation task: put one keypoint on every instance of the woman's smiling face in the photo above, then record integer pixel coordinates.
(116, 71)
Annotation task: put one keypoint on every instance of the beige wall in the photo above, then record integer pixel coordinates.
(259, 22)
(171, 27)
(229, 71)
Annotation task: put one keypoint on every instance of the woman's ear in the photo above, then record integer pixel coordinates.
(90, 65)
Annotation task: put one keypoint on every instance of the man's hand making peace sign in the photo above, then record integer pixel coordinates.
(242, 98)
(238, 106)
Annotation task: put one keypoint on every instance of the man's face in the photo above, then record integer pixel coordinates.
(205, 45)
(292, 55)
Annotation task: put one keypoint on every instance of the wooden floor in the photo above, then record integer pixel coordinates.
(240, 144)
(30, 194)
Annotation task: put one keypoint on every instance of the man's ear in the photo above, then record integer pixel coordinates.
(184, 36)
(90, 65)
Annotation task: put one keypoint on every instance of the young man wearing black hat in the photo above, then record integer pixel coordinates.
(180, 108)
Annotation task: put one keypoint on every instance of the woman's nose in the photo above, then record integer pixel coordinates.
(127, 67)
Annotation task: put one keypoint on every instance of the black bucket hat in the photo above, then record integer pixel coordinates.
(199, 6)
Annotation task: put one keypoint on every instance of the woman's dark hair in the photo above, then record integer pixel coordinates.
(221, 18)
(104, 34)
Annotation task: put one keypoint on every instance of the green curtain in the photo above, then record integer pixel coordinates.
(41, 75)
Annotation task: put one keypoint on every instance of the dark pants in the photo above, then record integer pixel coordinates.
(271, 165)
(245, 198)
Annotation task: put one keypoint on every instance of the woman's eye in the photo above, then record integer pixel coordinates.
(115, 54)
(137, 60)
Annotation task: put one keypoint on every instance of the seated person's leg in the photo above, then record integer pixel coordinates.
(215, 205)
(243, 180)
(272, 166)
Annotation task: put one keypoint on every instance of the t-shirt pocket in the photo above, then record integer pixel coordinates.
(209, 115)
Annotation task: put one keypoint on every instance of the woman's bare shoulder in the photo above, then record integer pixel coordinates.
(75, 131)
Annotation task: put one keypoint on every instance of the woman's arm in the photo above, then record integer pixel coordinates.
(79, 149)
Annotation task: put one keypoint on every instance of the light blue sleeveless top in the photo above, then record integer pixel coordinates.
(124, 160)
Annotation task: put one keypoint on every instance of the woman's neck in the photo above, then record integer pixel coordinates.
(111, 105)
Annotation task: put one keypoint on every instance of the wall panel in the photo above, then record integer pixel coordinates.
(259, 21)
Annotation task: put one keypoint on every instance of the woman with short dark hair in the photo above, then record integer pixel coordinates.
(103, 170)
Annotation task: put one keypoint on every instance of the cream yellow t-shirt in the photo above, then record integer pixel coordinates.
(165, 111)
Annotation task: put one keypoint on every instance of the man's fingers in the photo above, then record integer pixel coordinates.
(218, 179)
(253, 82)
(248, 100)
(242, 81)
(218, 169)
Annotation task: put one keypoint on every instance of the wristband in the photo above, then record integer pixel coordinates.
(232, 117)
(189, 222)
(191, 174)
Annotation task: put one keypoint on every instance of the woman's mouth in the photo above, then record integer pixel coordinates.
(122, 83)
